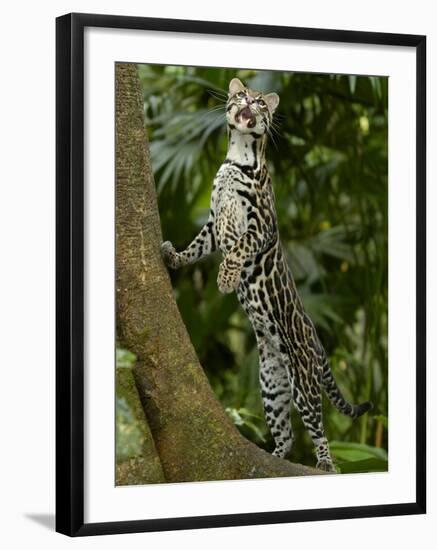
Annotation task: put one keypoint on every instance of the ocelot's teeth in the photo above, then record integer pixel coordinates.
(247, 116)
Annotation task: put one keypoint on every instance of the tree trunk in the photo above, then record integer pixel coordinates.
(140, 463)
(193, 435)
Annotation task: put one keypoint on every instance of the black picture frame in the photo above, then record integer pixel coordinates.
(70, 272)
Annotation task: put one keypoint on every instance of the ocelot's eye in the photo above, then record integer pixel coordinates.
(241, 94)
(261, 102)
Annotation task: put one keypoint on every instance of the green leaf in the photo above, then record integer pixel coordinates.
(332, 243)
(347, 451)
(124, 358)
(129, 438)
(363, 466)
(239, 418)
(322, 308)
(234, 415)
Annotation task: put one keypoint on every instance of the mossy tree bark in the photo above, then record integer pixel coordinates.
(193, 436)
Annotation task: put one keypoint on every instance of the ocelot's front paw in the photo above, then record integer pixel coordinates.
(228, 277)
(169, 255)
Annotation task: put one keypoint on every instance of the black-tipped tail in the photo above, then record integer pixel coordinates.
(336, 397)
(362, 408)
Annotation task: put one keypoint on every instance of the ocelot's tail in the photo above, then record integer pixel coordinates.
(336, 397)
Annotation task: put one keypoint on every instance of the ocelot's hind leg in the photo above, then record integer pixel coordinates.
(310, 410)
(276, 397)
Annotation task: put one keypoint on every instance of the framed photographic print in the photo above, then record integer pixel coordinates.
(240, 274)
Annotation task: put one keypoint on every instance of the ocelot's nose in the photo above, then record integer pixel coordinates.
(249, 100)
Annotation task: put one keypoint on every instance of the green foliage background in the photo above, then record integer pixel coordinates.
(328, 162)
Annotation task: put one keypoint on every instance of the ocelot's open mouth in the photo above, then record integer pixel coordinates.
(246, 115)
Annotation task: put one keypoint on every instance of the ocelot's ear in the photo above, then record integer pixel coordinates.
(235, 86)
(272, 101)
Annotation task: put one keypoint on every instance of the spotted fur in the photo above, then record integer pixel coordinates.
(242, 224)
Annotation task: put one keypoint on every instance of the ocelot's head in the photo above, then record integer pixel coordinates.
(249, 111)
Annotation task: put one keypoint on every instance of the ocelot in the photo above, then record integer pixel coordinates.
(242, 224)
